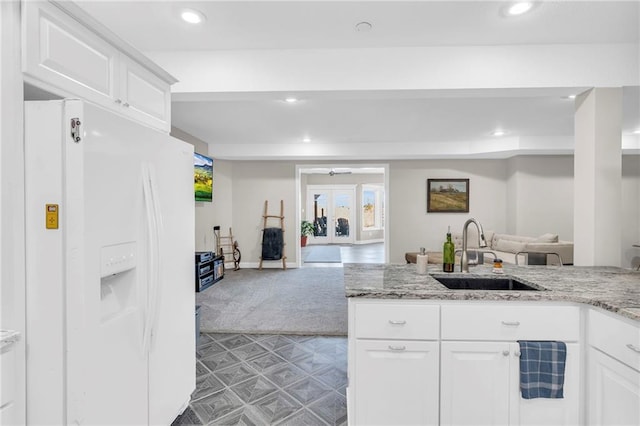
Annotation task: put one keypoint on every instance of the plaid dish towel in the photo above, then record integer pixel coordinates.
(542, 369)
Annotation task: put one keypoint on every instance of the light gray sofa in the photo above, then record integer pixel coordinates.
(505, 246)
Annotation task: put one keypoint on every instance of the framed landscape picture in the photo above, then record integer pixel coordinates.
(447, 195)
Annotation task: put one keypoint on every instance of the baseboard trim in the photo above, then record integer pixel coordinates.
(370, 241)
(271, 264)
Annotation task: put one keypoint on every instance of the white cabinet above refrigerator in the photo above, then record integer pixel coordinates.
(68, 53)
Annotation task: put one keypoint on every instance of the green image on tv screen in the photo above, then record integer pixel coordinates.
(203, 177)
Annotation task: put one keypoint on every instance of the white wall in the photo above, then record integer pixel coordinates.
(411, 227)
(12, 249)
(540, 194)
(253, 182)
(217, 212)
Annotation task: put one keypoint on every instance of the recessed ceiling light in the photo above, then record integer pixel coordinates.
(498, 132)
(570, 97)
(291, 100)
(636, 132)
(192, 16)
(363, 27)
(518, 8)
(306, 139)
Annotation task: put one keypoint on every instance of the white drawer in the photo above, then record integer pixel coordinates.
(615, 337)
(396, 321)
(512, 321)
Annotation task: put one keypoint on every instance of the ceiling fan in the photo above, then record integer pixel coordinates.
(332, 172)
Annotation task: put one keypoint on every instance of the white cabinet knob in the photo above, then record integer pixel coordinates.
(505, 352)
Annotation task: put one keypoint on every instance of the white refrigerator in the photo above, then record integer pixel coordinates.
(110, 268)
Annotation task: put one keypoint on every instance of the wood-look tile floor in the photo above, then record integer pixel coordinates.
(259, 379)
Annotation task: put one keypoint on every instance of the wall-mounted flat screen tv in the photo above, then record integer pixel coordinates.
(203, 177)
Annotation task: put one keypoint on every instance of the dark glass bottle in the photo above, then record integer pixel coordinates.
(448, 254)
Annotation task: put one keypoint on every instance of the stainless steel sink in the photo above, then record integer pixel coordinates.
(483, 283)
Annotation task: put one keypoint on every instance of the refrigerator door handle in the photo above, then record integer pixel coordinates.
(154, 223)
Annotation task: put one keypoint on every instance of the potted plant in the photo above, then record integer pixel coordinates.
(306, 229)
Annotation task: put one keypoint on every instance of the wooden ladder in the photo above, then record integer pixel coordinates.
(267, 216)
(227, 246)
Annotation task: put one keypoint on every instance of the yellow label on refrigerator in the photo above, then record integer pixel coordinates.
(51, 221)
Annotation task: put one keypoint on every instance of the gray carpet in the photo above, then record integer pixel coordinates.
(323, 254)
(308, 301)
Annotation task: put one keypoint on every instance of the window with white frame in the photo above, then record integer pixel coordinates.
(372, 207)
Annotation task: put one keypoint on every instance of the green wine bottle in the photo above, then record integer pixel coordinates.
(448, 253)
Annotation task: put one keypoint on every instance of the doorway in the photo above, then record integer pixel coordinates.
(366, 238)
(331, 211)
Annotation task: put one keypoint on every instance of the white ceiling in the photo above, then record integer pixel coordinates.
(369, 117)
(156, 25)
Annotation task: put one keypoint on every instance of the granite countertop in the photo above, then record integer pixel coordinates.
(613, 289)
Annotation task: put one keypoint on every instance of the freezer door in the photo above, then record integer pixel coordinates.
(107, 287)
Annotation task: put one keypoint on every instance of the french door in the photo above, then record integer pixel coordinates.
(331, 211)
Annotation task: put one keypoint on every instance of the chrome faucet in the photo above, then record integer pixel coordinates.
(464, 260)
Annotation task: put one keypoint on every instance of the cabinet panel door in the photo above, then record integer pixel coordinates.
(58, 50)
(510, 322)
(545, 411)
(396, 383)
(475, 383)
(145, 96)
(401, 320)
(614, 392)
(622, 345)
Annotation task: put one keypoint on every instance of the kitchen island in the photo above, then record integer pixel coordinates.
(420, 353)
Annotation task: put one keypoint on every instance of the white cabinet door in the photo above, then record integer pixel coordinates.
(546, 411)
(475, 383)
(145, 97)
(396, 383)
(614, 392)
(62, 52)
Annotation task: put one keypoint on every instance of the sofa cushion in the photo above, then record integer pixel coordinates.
(472, 236)
(509, 246)
(547, 238)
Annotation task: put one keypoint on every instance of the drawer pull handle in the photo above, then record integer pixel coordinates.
(397, 322)
(511, 323)
(633, 348)
(397, 348)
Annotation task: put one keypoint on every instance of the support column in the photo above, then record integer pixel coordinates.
(597, 208)
(12, 249)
